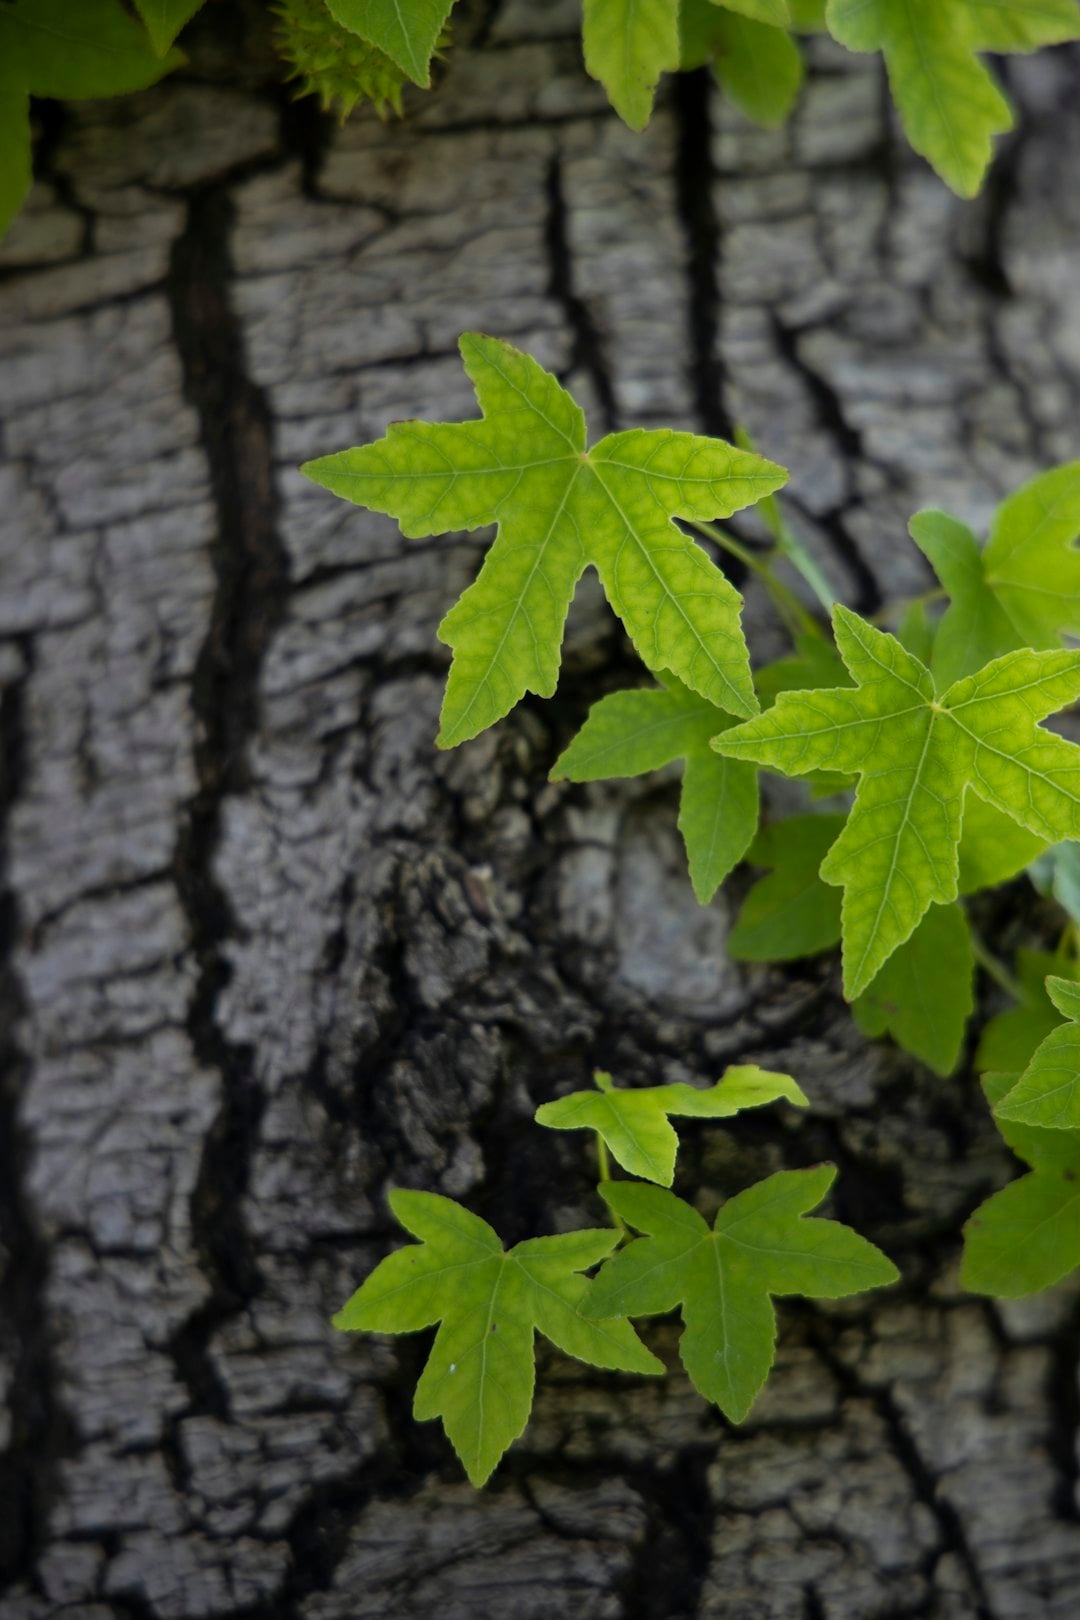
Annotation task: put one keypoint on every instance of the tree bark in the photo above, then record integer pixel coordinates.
(269, 953)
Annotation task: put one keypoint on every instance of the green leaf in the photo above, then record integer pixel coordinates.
(1022, 25)
(815, 663)
(165, 18)
(759, 1245)
(73, 49)
(480, 1374)
(560, 507)
(1047, 1093)
(1026, 1237)
(949, 103)
(1010, 1039)
(1022, 589)
(407, 32)
(808, 16)
(634, 1123)
(915, 754)
(78, 49)
(628, 44)
(760, 67)
(15, 155)
(916, 633)
(630, 733)
(925, 993)
(791, 913)
(992, 847)
(776, 13)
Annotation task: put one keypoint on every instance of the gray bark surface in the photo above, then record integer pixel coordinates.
(269, 953)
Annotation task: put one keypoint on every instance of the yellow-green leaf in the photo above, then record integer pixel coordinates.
(559, 507)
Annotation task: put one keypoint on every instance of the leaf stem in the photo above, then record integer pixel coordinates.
(798, 621)
(993, 966)
(603, 1160)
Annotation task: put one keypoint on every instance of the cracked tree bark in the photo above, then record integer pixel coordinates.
(268, 953)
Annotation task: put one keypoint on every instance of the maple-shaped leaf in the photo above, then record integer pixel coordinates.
(628, 44)
(949, 102)
(759, 1245)
(559, 507)
(71, 50)
(632, 732)
(480, 1375)
(407, 33)
(1010, 1039)
(1022, 589)
(1027, 1236)
(790, 913)
(993, 847)
(747, 45)
(915, 753)
(165, 18)
(1047, 1093)
(925, 993)
(635, 1124)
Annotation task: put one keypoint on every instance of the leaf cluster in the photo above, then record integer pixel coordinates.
(490, 1302)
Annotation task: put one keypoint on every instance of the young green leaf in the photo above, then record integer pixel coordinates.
(916, 754)
(480, 1374)
(925, 993)
(1022, 589)
(753, 57)
(774, 13)
(560, 507)
(628, 44)
(993, 848)
(791, 912)
(632, 732)
(165, 18)
(1027, 1236)
(1022, 25)
(407, 33)
(635, 1123)
(759, 1245)
(72, 49)
(1047, 1094)
(1010, 1039)
(948, 101)
(815, 663)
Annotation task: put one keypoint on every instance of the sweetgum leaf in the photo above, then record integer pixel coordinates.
(1047, 1094)
(949, 103)
(559, 507)
(992, 847)
(1022, 25)
(78, 49)
(73, 49)
(1010, 1039)
(480, 1374)
(776, 13)
(165, 18)
(791, 912)
(408, 33)
(760, 66)
(16, 169)
(1022, 589)
(628, 44)
(924, 995)
(630, 733)
(759, 1245)
(915, 754)
(1027, 1236)
(635, 1123)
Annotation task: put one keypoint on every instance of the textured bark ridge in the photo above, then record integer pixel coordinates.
(269, 953)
